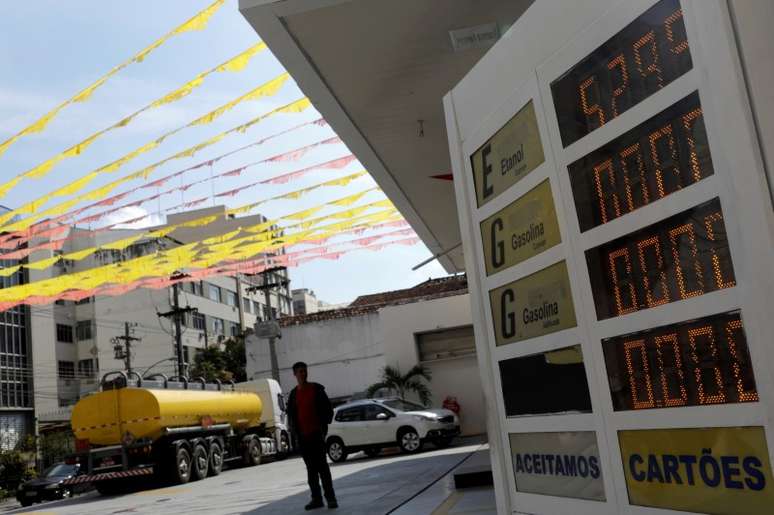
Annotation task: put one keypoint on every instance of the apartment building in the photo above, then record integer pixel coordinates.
(76, 341)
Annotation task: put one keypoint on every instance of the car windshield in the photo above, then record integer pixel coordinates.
(59, 470)
(401, 405)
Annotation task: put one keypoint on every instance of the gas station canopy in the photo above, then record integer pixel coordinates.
(377, 71)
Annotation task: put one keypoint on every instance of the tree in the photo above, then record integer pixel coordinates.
(226, 363)
(393, 380)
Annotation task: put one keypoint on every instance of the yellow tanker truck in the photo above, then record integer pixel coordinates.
(173, 431)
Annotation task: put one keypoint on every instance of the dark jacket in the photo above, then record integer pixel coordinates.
(322, 405)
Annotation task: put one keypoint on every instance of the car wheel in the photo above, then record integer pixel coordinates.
(216, 458)
(337, 452)
(373, 452)
(181, 471)
(409, 441)
(252, 454)
(200, 462)
(25, 503)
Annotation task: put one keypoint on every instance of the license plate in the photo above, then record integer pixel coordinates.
(31, 494)
(108, 462)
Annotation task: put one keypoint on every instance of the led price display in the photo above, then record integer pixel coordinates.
(683, 256)
(694, 363)
(645, 56)
(660, 156)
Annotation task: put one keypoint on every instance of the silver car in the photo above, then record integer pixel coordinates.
(373, 424)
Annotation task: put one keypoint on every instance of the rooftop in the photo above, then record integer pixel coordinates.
(365, 304)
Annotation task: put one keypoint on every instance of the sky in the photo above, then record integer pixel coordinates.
(51, 49)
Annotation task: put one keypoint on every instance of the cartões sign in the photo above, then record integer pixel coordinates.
(707, 470)
(532, 306)
(565, 464)
(508, 156)
(522, 229)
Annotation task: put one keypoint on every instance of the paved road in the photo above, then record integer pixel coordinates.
(363, 485)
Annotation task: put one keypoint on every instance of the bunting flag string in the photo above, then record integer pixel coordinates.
(236, 63)
(268, 89)
(196, 23)
(247, 266)
(167, 261)
(24, 223)
(41, 228)
(157, 233)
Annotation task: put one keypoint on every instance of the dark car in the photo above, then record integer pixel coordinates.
(48, 486)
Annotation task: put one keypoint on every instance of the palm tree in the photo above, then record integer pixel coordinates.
(393, 380)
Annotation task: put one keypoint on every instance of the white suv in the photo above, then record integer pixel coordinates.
(372, 424)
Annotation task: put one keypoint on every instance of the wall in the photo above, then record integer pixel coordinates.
(345, 355)
(456, 377)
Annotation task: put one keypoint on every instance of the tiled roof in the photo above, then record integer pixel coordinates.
(428, 290)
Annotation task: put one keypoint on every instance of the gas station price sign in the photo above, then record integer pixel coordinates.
(681, 257)
(659, 157)
(638, 61)
(694, 363)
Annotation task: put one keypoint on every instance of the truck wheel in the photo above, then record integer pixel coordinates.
(252, 455)
(284, 446)
(181, 466)
(200, 462)
(216, 459)
(409, 441)
(336, 450)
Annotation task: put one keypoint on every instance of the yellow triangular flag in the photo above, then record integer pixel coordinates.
(80, 254)
(199, 22)
(239, 62)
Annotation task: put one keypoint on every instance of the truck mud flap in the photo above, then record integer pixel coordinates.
(147, 471)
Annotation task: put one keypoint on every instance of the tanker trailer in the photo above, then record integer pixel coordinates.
(165, 431)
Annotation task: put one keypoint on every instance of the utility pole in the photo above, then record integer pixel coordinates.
(266, 287)
(175, 314)
(125, 352)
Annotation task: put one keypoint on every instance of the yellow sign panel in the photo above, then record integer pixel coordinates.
(709, 470)
(508, 156)
(532, 306)
(521, 230)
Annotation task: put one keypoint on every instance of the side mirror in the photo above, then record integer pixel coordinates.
(382, 416)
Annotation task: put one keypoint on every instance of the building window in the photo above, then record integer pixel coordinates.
(257, 308)
(86, 368)
(446, 344)
(213, 292)
(83, 330)
(247, 305)
(66, 370)
(87, 300)
(59, 302)
(199, 321)
(218, 326)
(64, 333)
(233, 329)
(230, 297)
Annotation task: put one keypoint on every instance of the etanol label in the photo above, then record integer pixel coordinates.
(707, 470)
(523, 229)
(532, 306)
(562, 463)
(510, 154)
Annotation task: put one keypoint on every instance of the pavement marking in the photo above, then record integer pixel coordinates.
(448, 504)
(37, 513)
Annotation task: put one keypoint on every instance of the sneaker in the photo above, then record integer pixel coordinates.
(333, 504)
(314, 504)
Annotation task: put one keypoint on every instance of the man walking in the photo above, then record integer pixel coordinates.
(309, 413)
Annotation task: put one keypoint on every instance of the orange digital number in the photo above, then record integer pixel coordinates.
(634, 150)
(653, 68)
(688, 121)
(638, 404)
(672, 342)
(613, 257)
(717, 271)
(699, 366)
(682, 46)
(591, 110)
(659, 163)
(662, 279)
(676, 239)
(606, 165)
(619, 63)
(735, 327)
